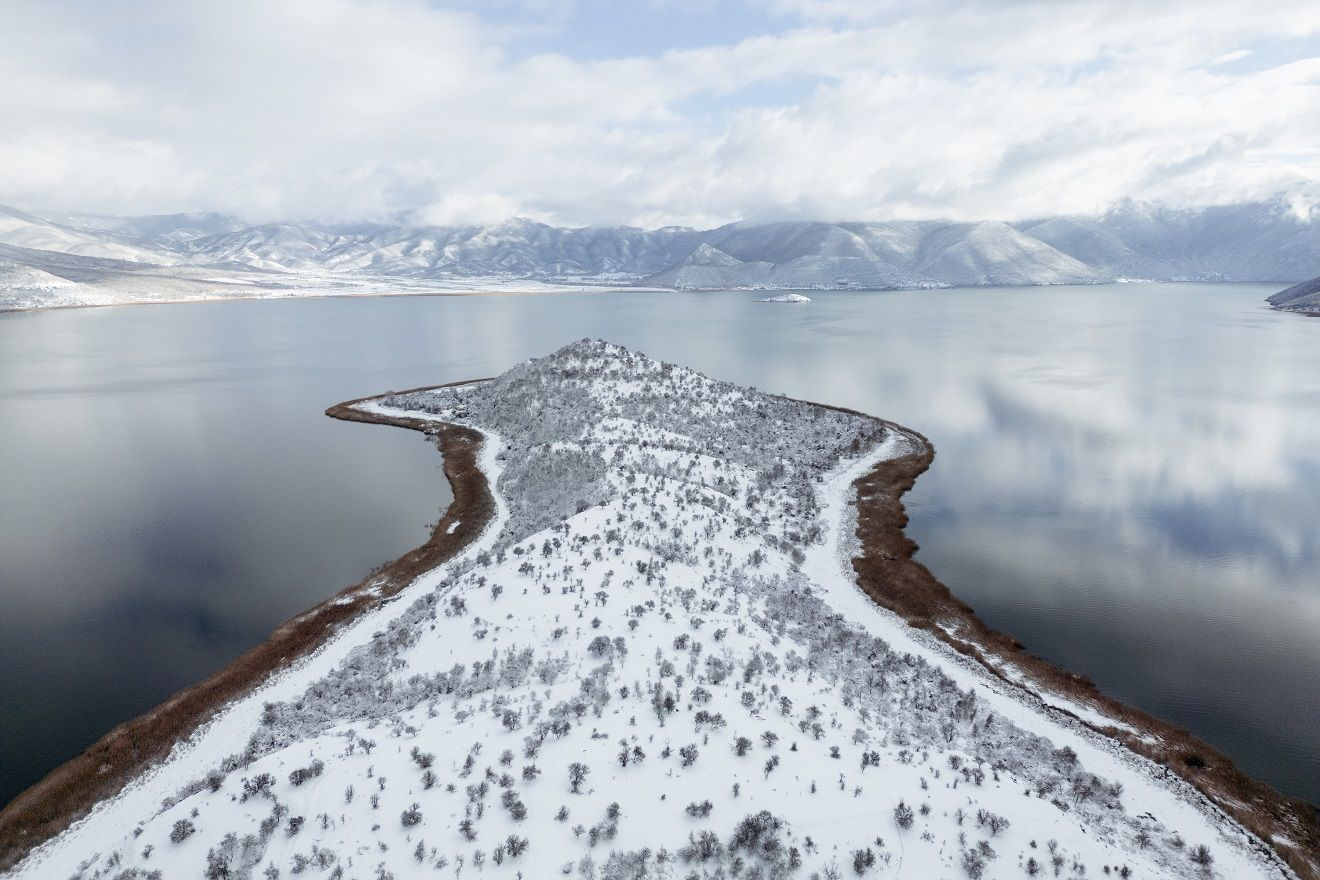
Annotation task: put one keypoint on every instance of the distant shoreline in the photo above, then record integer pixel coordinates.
(71, 790)
(400, 294)
(599, 290)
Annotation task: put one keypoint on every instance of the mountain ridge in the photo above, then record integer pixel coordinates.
(1261, 241)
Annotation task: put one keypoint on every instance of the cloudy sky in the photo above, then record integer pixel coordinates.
(651, 113)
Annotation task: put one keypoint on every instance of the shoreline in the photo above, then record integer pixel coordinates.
(885, 571)
(71, 790)
(588, 289)
(601, 289)
(891, 577)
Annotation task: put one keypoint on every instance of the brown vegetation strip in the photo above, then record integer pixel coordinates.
(70, 791)
(888, 574)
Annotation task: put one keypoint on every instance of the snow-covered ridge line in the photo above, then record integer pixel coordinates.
(187, 257)
(659, 665)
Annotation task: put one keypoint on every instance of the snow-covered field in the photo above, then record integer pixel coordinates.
(654, 663)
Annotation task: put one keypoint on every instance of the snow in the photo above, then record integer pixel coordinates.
(105, 826)
(1300, 297)
(787, 298)
(182, 257)
(1148, 791)
(25, 231)
(667, 574)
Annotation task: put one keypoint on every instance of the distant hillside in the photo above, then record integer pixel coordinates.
(1263, 241)
(1259, 241)
(870, 256)
(28, 231)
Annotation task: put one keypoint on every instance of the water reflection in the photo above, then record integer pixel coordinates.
(1127, 478)
(171, 493)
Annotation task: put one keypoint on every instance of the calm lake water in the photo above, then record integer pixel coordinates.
(1127, 479)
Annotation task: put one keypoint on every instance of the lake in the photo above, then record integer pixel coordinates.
(1127, 478)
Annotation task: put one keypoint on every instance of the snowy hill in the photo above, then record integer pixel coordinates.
(289, 247)
(168, 230)
(709, 268)
(31, 288)
(20, 277)
(653, 662)
(1304, 297)
(1265, 241)
(871, 256)
(519, 248)
(1089, 243)
(783, 256)
(27, 231)
(996, 253)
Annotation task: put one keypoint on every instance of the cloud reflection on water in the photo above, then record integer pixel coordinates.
(1127, 478)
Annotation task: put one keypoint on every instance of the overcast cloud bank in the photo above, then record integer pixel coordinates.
(700, 114)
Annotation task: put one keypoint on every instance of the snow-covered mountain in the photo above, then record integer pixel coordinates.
(1087, 241)
(786, 256)
(25, 230)
(160, 229)
(29, 286)
(871, 256)
(1260, 241)
(1265, 241)
(654, 662)
(519, 248)
(996, 253)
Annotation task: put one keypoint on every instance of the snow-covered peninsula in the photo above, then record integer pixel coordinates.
(651, 659)
(1304, 298)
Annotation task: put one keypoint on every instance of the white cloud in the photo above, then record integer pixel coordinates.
(375, 109)
(1230, 57)
(457, 208)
